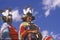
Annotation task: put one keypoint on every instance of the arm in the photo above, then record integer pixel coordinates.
(23, 32)
(34, 28)
(33, 31)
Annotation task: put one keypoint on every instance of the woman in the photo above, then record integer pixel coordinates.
(8, 31)
(28, 30)
(12, 30)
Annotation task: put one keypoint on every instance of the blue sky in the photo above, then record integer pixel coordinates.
(49, 22)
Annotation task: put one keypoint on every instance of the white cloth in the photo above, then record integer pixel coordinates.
(5, 13)
(4, 27)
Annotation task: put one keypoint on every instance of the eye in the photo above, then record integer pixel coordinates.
(30, 18)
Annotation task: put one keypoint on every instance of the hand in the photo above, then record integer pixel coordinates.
(29, 31)
(32, 31)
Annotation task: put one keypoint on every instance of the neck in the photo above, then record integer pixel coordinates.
(29, 22)
(9, 23)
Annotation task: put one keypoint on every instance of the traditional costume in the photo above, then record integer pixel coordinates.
(25, 27)
(8, 31)
(5, 30)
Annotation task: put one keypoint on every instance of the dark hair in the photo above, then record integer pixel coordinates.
(24, 18)
(4, 18)
(27, 15)
(10, 15)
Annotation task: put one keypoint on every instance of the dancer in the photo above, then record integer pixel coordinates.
(7, 30)
(29, 30)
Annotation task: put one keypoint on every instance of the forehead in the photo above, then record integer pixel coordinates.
(29, 16)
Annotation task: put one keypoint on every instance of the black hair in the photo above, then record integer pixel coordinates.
(4, 18)
(10, 15)
(28, 15)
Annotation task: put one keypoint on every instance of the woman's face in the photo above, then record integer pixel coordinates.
(29, 19)
(9, 21)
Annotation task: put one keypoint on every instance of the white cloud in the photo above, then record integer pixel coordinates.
(35, 13)
(47, 13)
(55, 3)
(15, 15)
(49, 5)
(59, 38)
(46, 33)
(54, 35)
(46, 2)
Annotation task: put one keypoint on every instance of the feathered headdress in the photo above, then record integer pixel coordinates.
(27, 12)
(6, 14)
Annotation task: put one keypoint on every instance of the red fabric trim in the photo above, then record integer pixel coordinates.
(23, 32)
(13, 33)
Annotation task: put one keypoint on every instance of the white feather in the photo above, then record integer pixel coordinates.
(5, 13)
(26, 11)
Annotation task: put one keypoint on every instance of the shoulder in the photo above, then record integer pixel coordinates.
(24, 24)
(4, 24)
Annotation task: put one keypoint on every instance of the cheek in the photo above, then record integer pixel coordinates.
(10, 20)
(51, 39)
